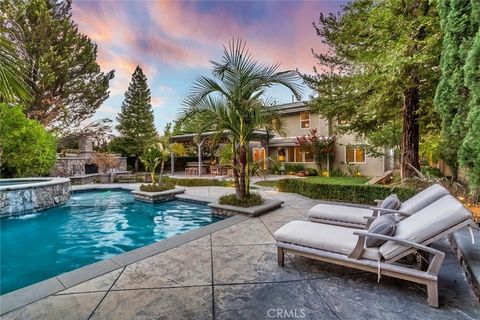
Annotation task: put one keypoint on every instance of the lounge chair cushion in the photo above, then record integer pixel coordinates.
(426, 223)
(423, 199)
(324, 237)
(384, 225)
(391, 202)
(331, 214)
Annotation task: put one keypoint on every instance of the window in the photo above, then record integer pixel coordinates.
(354, 154)
(305, 120)
(290, 154)
(298, 155)
(308, 156)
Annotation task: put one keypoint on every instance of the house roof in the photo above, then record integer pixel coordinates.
(192, 136)
(293, 107)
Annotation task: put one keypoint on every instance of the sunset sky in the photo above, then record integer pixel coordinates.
(173, 42)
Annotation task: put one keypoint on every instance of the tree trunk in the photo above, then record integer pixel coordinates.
(136, 163)
(411, 131)
(241, 181)
(235, 166)
(161, 172)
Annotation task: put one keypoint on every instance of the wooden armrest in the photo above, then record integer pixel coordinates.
(391, 211)
(401, 241)
(378, 201)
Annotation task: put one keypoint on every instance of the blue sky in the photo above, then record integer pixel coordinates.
(173, 42)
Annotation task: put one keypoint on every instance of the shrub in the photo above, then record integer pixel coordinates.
(432, 172)
(359, 193)
(157, 188)
(337, 172)
(252, 199)
(26, 148)
(312, 171)
(291, 168)
(200, 182)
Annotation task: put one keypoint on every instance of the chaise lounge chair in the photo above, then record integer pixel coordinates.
(354, 217)
(346, 246)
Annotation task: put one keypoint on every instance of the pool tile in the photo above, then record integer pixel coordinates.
(102, 283)
(173, 303)
(270, 301)
(62, 307)
(248, 264)
(182, 266)
(251, 231)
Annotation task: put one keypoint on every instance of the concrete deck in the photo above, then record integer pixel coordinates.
(233, 274)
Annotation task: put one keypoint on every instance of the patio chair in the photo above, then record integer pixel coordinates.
(354, 216)
(346, 246)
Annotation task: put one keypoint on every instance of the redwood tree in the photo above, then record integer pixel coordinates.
(380, 72)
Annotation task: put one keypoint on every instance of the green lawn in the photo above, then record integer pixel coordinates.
(337, 180)
(320, 180)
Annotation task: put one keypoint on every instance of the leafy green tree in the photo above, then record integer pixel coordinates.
(26, 148)
(380, 72)
(151, 159)
(68, 85)
(469, 153)
(233, 102)
(452, 95)
(135, 121)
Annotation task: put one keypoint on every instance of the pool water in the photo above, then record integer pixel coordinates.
(92, 226)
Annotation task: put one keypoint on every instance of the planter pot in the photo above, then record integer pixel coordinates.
(301, 174)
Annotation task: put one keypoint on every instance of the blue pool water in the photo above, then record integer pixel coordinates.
(92, 226)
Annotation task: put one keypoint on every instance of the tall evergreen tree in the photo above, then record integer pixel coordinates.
(67, 83)
(135, 121)
(380, 73)
(453, 95)
(469, 153)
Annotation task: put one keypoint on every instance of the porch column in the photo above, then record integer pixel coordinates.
(172, 163)
(199, 152)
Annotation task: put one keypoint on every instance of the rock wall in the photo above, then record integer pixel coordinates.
(28, 200)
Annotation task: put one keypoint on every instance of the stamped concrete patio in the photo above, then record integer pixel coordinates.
(233, 274)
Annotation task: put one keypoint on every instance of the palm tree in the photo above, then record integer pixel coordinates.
(233, 102)
(14, 86)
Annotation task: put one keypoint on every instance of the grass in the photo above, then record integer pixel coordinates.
(320, 180)
(337, 180)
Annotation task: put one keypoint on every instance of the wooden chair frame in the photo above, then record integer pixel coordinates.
(387, 267)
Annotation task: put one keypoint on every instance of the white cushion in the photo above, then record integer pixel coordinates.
(426, 223)
(332, 213)
(423, 198)
(322, 237)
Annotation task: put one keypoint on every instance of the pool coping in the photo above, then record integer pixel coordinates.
(41, 182)
(24, 296)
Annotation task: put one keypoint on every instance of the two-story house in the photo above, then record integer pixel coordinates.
(298, 121)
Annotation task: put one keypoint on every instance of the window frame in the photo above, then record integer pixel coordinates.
(355, 154)
(305, 120)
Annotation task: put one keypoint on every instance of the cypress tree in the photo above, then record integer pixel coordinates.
(453, 95)
(469, 154)
(60, 62)
(135, 121)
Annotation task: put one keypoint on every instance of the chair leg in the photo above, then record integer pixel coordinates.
(432, 291)
(280, 256)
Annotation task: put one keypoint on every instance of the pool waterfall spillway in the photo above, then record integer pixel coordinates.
(27, 195)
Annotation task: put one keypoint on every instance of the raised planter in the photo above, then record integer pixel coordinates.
(255, 211)
(154, 197)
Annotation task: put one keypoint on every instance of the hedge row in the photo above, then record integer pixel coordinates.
(200, 182)
(358, 193)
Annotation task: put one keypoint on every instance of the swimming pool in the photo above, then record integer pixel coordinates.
(90, 227)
